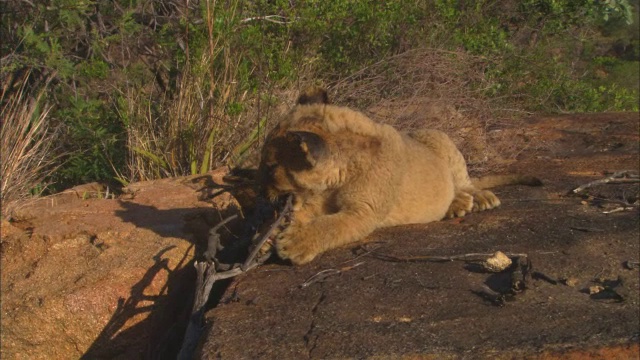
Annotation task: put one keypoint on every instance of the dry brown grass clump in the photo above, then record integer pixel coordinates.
(209, 121)
(446, 90)
(28, 142)
(428, 88)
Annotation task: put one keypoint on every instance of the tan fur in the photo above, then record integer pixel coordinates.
(350, 175)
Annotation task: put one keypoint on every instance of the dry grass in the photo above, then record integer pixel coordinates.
(201, 126)
(28, 142)
(193, 132)
(420, 88)
(431, 88)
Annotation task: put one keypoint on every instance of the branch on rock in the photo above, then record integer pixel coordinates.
(208, 273)
(324, 274)
(284, 215)
(472, 257)
(619, 177)
(213, 244)
(620, 208)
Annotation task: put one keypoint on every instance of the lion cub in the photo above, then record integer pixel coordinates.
(350, 176)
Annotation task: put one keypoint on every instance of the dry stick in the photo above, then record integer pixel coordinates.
(213, 243)
(278, 19)
(285, 212)
(618, 209)
(630, 264)
(463, 257)
(619, 177)
(324, 274)
(207, 276)
(629, 180)
(616, 178)
(613, 201)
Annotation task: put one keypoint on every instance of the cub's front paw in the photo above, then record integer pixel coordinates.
(296, 246)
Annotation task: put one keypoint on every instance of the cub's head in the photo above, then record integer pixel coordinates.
(297, 156)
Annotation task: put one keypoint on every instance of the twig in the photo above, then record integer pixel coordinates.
(613, 201)
(207, 276)
(631, 180)
(285, 212)
(541, 276)
(204, 283)
(277, 19)
(462, 257)
(585, 229)
(618, 209)
(324, 274)
(630, 264)
(536, 199)
(488, 294)
(619, 177)
(213, 244)
(365, 250)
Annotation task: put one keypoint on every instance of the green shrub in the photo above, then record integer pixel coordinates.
(93, 143)
(152, 90)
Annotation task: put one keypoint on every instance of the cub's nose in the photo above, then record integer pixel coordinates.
(266, 173)
(266, 178)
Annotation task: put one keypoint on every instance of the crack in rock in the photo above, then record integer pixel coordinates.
(309, 338)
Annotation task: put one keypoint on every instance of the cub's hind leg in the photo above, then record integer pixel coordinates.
(468, 198)
(484, 200)
(461, 205)
(471, 200)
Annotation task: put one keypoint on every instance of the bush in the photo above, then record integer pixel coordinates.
(145, 89)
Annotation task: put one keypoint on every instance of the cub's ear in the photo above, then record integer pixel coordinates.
(313, 146)
(313, 95)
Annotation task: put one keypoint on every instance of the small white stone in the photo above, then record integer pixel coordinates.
(595, 289)
(498, 262)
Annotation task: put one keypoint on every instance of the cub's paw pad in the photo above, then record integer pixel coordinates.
(296, 249)
(461, 205)
(266, 247)
(485, 200)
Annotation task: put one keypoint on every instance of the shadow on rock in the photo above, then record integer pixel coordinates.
(165, 316)
(163, 326)
(191, 224)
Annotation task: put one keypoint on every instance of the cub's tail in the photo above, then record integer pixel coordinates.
(490, 181)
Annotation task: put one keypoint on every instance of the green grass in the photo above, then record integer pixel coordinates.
(145, 92)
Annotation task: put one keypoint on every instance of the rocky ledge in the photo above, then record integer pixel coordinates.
(407, 294)
(86, 275)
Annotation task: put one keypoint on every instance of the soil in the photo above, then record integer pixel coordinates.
(88, 276)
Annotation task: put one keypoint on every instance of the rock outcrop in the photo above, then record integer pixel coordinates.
(85, 275)
(389, 298)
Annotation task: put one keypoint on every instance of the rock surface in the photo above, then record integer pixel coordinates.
(382, 299)
(104, 278)
(88, 276)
